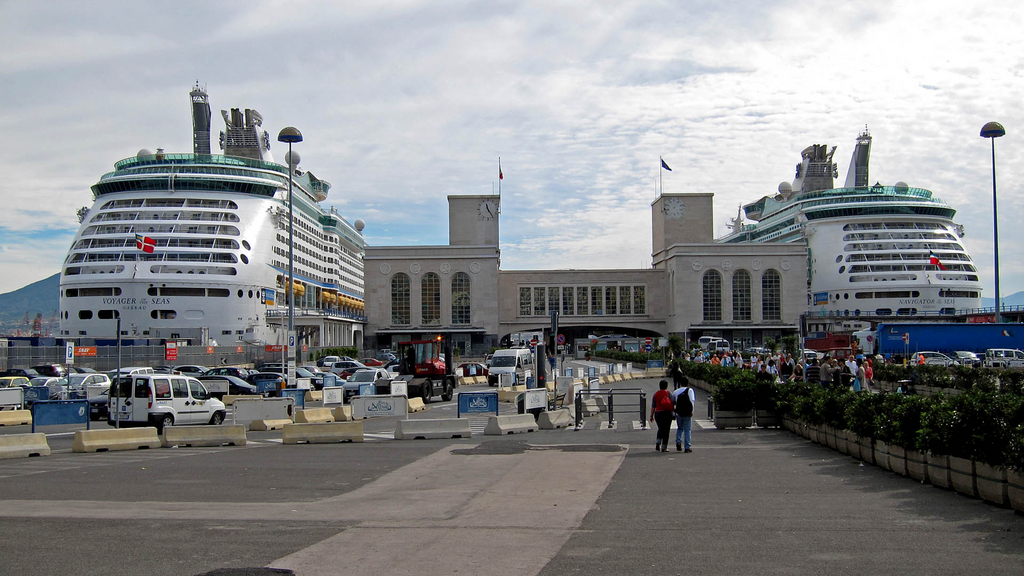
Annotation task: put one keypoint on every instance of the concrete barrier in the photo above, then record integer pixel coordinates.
(314, 396)
(15, 417)
(440, 428)
(323, 433)
(251, 409)
(416, 405)
(591, 407)
(311, 415)
(513, 424)
(343, 414)
(507, 395)
(23, 445)
(204, 435)
(555, 419)
(268, 424)
(229, 399)
(115, 439)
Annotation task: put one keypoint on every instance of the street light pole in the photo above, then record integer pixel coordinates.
(994, 130)
(290, 135)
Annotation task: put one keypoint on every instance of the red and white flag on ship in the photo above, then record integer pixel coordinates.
(144, 243)
(934, 259)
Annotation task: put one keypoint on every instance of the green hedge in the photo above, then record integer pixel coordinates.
(349, 351)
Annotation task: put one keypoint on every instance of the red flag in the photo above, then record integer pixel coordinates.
(934, 259)
(500, 175)
(144, 243)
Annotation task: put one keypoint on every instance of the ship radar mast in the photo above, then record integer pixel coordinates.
(857, 175)
(200, 119)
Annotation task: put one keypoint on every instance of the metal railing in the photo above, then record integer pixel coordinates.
(610, 403)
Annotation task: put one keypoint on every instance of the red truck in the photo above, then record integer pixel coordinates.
(426, 372)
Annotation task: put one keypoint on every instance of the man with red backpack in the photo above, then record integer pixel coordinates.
(661, 412)
(684, 400)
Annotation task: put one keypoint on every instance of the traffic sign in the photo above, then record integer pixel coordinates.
(561, 339)
(648, 347)
(648, 341)
(69, 353)
(906, 337)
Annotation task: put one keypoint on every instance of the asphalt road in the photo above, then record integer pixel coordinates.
(550, 502)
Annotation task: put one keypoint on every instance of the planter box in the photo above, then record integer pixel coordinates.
(1015, 489)
(938, 471)
(992, 484)
(917, 465)
(882, 455)
(867, 449)
(768, 418)
(830, 436)
(898, 459)
(732, 419)
(841, 442)
(961, 471)
(852, 447)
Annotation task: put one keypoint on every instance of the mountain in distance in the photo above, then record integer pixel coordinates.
(42, 297)
(1015, 299)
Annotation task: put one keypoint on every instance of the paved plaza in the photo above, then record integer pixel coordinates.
(556, 502)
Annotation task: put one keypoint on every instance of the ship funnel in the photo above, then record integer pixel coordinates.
(200, 120)
(857, 175)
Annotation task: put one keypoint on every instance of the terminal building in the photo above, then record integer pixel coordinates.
(745, 293)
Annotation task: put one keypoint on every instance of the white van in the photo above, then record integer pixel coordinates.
(163, 400)
(510, 361)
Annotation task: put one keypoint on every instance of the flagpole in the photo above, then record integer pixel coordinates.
(660, 171)
(499, 176)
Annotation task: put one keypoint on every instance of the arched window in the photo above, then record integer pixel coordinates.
(741, 296)
(430, 298)
(712, 296)
(771, 296)
(400, 299)
(460, 298)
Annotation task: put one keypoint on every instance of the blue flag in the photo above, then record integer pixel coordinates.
(665, 166)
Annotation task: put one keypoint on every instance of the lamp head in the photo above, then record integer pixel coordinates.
(993, 130)
(289, 134)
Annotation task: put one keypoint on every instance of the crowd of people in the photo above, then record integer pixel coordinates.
(856, 372)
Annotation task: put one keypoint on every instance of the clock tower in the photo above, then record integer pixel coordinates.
(473, 220)
(682, 219)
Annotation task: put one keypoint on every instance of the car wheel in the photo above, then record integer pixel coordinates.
(425, 391)
(448, 392)
(166, 421)
(216, 419)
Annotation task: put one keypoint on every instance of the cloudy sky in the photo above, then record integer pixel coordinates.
(405, 102)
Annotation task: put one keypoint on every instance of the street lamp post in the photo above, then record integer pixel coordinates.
(994, 130)
(291, 135)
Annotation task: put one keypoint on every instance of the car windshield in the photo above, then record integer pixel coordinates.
(503, 361)
(363, 376)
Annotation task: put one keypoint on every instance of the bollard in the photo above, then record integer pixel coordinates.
(643, 407)
(579, 409)
(611, 410)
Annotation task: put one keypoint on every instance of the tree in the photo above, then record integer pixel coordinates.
(675, 345)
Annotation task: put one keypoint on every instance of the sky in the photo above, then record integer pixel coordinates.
(404, 102)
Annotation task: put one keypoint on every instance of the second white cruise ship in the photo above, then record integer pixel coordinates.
(873, 250)
(195, 246)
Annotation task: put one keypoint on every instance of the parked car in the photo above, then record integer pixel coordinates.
(272, 367)
(345, 368)
(163, 400)
(262, 378)
(1004, 358)
(371, 362)
(228, 371)
(99, 405)
(965, 358)
(932, 359)
(471, 369)
(221, 384)
(365, 376)
(11, 381)
(316, 379)
(81, 382)
(191, 369)
(26, 372)
(54, 384)
(81, 370)
(54, 370)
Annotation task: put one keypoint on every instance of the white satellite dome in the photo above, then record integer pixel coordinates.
(144, 152)
(902, 184)
(359, 224)
(785, 188)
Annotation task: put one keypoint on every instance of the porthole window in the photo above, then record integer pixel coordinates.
(244, 258)
(839, 259)
(846, 296)
(240, 293)
(250, 293)
(842, 269)
(245, 244)
(84, 314)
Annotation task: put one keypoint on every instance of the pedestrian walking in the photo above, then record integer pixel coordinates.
(662, 409)
(684, 401)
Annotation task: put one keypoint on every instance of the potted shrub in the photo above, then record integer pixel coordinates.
(993, 453)
(734, 401)
(767, 397)
(905, 437)
(1015, 470)
(861, 415)
(834, 406)
(934, 439)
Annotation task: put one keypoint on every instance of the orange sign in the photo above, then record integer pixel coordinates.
(209, 349)
(85, 350)
(274, 348)
(238, 349)
(170, 351)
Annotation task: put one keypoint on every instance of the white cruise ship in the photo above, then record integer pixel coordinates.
(873, 251)
(195, 246)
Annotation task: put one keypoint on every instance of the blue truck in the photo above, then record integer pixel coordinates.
(940, 337)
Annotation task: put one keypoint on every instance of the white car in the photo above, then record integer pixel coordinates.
(1004, 358)
(378, 376)
(163, 400)
(933, 359)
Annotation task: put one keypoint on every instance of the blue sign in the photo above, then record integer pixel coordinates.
(297, 394)
(591, 372)
(330, 379)
(611, 368)
(36, 394)
(265, 386)
(655, 364)
(648, 347)
(477, 403)
(568, 372)
(51, 412)
(368, 389)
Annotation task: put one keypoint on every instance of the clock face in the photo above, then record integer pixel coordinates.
(674, 207)
(488, 210)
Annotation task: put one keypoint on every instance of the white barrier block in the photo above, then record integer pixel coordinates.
(378, 406)
(204, 435)
(513, 424)
(247, 410)
(440, 428)
(555, 419)
(13, 396)
(23, 445)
